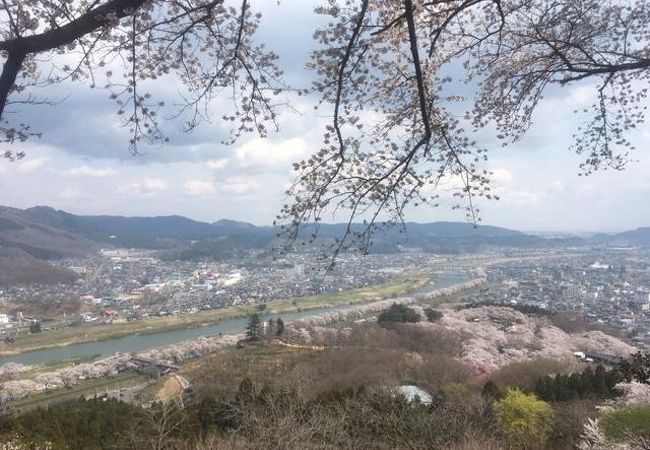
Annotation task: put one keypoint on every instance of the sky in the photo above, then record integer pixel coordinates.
(82, 163)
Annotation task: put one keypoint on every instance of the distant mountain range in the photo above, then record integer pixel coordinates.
(640, 236)
(41, 233)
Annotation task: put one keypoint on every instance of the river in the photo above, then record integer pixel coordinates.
(140, 342)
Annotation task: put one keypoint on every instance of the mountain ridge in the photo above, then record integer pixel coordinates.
(43, 232)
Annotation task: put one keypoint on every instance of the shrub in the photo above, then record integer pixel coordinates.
(524, 374)
(570, 418)
(432, 314)
(524, 421)
(628, 422)
(398, 313)
(35, 327)
(491, 390)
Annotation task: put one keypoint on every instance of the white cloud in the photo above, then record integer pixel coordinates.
(217, 164)
(557, 186)
(522, 197)
(261, 152)
(238, 185)
(501, 176)
(29, 165)
(447, 183)
(89, 171)
(199, 187)
(581, 95)
(72, 194)
(145, 187)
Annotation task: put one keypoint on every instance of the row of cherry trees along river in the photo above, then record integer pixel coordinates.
(17, 385)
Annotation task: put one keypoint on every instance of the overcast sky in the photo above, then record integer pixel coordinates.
(82, 163)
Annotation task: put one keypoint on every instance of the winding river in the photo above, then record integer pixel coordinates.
(139, 342)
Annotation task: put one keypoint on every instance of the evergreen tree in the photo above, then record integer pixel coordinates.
(546, 389)
(600, 382)
(587, 381)
(588, 384)
(432, 314)
(279, 327)
(398, 313)
(637, 368)
(612, 378)
(562, 390)
(576, 385)
(252, 331)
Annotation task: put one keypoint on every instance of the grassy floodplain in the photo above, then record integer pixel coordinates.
(91, 333)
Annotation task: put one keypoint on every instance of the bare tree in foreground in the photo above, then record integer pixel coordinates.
(401, 122)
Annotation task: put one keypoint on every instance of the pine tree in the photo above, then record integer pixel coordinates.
(612, 378)
(577, 386)
(562, 391)
(433, 315)
(637, 368)
(587, 381)
(600, 382)
(279, 324)
(252, 331)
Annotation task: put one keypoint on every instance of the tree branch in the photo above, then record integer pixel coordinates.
(73, 30)
(8, 78)
(18, 48)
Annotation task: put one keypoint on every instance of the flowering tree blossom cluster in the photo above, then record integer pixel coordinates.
(402, 118)
(593, 438)
(193, 348)
(10, 370)
(303, 326)
(72, 375)
(633, 393)
(495, 336)
(123, 46)
(501, 336)
(65, 377)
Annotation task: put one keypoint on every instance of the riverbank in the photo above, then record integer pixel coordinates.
(193, 348)
(95, 333)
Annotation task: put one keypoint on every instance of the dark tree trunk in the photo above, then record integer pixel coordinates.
(8, 78)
